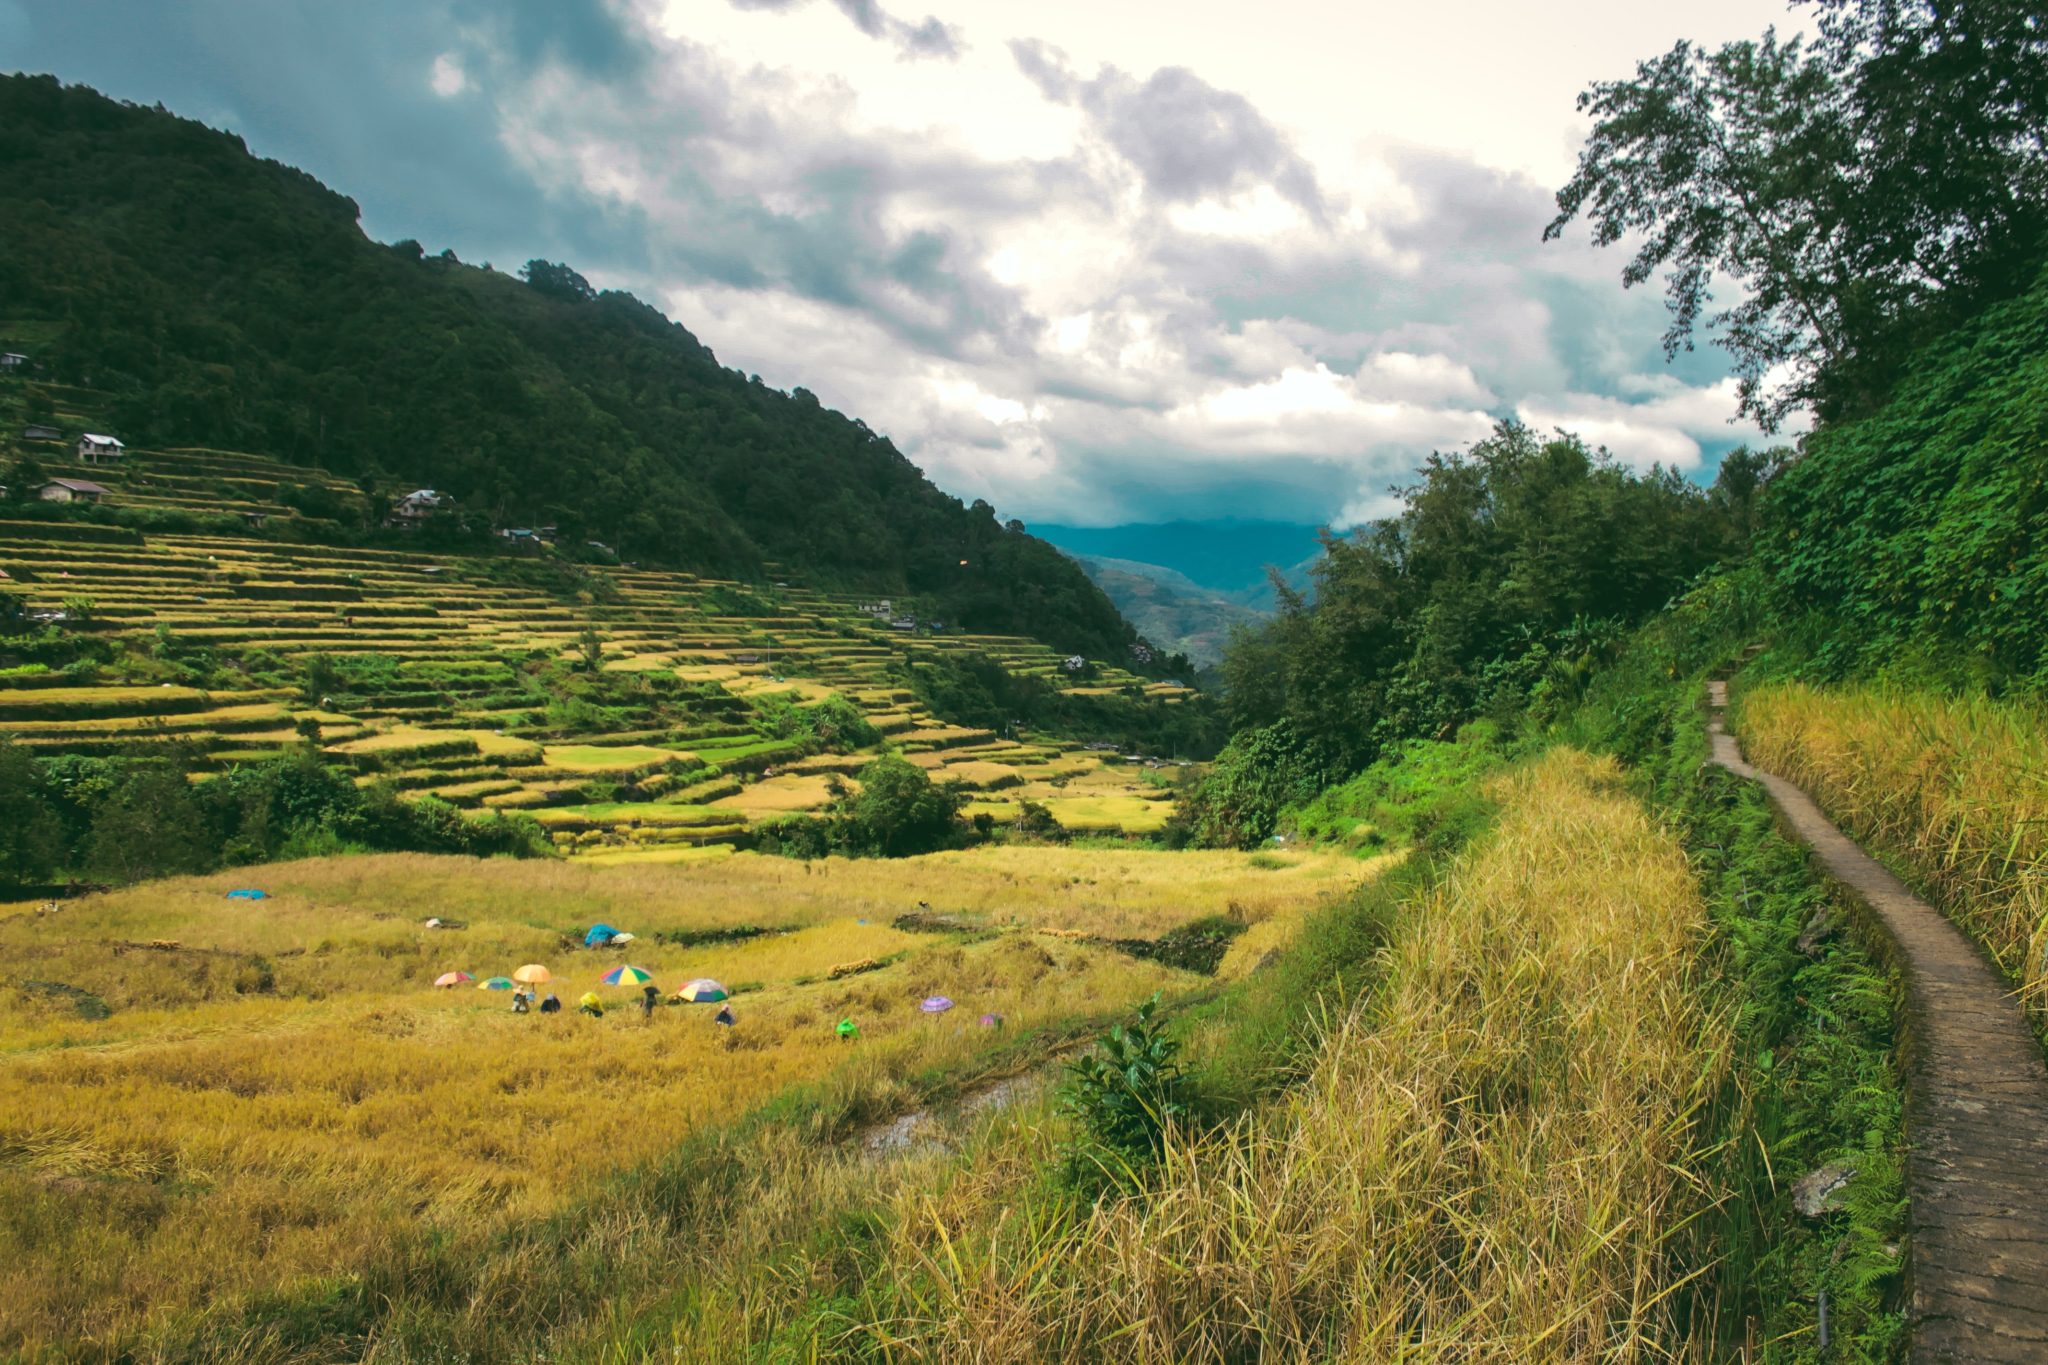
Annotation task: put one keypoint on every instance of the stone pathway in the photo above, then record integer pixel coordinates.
(1976, 1116)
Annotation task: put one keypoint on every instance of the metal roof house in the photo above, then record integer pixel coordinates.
(94, 448)
(71, 490)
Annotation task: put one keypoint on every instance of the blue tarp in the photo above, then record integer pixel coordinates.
(248, 893)
(599, 935)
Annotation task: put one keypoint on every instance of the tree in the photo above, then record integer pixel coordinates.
(1862, 191)
(558, 281)
(31, 837)
(148, 827)
(899, 811)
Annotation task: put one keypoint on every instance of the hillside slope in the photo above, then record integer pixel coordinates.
(223, 301)
(1171, 609)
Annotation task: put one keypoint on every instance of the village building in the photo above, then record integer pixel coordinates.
(94, 448)
(71, 490)
(415, 507)
(12, 360)
(37, 431)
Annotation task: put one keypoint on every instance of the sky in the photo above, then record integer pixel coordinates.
(1096, 262)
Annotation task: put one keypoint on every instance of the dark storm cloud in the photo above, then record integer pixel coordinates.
(930, 37)
(342, 92)
(1188, 138)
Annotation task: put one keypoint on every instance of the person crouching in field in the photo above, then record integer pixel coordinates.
(648, 995)
(551, 1005)
(591, 1005)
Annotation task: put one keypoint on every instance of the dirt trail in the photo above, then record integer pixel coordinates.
(1977, 1112)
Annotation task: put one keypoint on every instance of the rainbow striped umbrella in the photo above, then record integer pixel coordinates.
(702, 991)
(627, 976)
(447, 979)
(496, 983)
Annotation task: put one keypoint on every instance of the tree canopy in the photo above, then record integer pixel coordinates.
(1861, 192)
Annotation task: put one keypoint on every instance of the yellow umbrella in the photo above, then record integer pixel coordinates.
(533, 974)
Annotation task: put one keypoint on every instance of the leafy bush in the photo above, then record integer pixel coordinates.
(1124, 1097)
(1260, 773)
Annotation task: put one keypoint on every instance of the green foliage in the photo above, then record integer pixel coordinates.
(1425, 793)
(234, 303)
(127, 818)
(834, 725)
(968, 688)
(1866, 190)
(1920, 534)
(1510, 570)
(1260, 773)
(898, 810)
(31, 837)
(148, 826)
(1125, 1096)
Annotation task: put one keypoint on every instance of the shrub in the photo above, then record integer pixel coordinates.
(1125, 1097)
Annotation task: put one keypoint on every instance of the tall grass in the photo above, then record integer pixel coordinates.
(275, 1093)
(1954, 789)
(1489, 1159)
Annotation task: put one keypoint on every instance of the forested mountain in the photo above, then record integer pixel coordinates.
(226, 301)
(1171, 609)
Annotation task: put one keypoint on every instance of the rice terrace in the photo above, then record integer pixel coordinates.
(1197, 740)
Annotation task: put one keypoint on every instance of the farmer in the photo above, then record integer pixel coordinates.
(591, 1005)
(724, 1016)
(551, 1005)
(847, 1030)
(648, 995)
(520, 1002)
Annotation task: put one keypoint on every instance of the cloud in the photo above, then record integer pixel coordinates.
(1189, 139)
(1087, 295)
(929, 37)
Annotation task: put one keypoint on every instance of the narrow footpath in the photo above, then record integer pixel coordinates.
(1976, 1117)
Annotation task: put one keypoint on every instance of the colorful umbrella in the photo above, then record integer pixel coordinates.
(935, 1004)
(496, 983)
(533, 974)
(447, 979)
(627, 976)
(702, 991)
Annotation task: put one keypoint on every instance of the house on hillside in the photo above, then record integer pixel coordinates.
(94, 448)
(522, 539)
(1074, 663)
(71, 490)
(415, 507)
(13, 361)
(37, 431)
(1141, 653)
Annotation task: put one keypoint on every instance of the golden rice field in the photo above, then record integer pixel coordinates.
(1954, 790)
(276, 1088)
(1491, 1160)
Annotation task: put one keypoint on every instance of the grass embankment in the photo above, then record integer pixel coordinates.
(1951, 789)
(1493, 1153)
(204, 1100)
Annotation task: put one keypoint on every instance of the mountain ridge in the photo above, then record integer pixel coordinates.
(226, 301)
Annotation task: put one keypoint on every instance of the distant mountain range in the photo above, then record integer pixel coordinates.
(1184, 584)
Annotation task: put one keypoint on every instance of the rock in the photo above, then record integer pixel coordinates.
(1818, 930)
(1821, 1191)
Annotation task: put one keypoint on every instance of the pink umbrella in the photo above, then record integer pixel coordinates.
(448, 979)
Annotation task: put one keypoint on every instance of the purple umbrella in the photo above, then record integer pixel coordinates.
(935, 1004)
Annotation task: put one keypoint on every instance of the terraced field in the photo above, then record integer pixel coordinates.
(417, 668)
(204, 1097)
